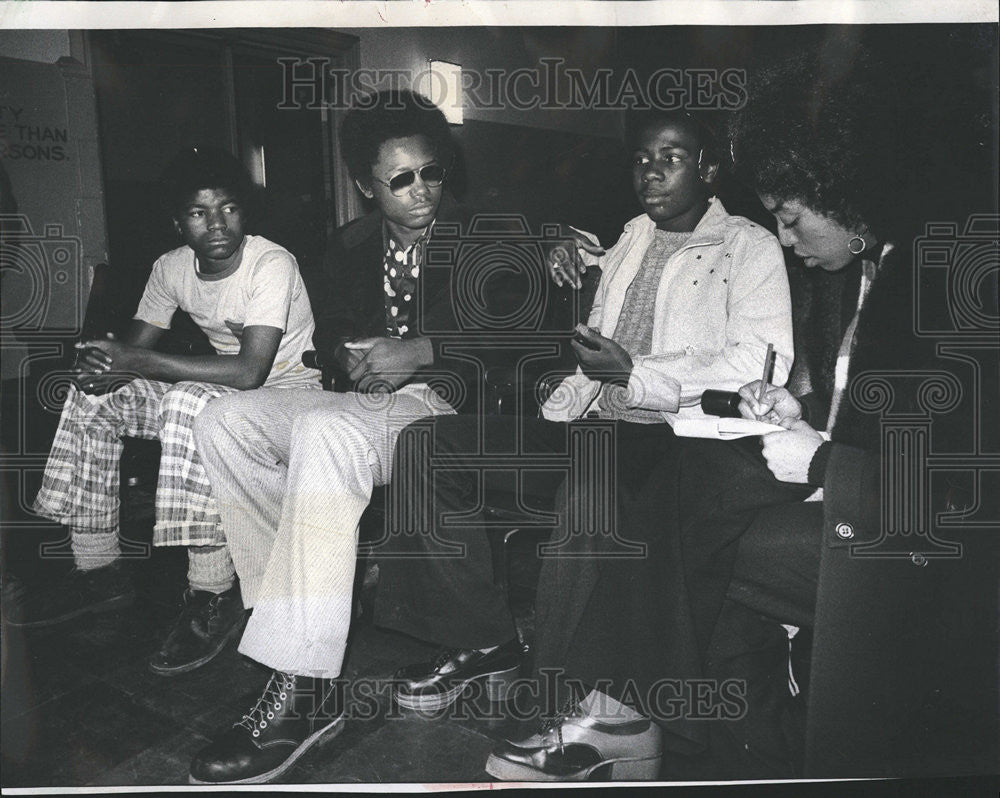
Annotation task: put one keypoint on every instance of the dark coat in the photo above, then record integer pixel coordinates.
(905, 624)
(484, 300)
(885, 678)
(354, 306)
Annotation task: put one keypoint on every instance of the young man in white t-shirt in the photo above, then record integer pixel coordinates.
(247, 295)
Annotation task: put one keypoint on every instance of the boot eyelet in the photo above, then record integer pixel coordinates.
(277, 706)
(256, 733)
(263, 724)
(282, 696)
(270, 716)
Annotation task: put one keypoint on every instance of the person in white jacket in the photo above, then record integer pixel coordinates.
(689, 299)
(721, 297)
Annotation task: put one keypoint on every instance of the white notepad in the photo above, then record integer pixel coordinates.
(723, 429)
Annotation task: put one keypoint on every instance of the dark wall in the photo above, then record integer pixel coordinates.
(548, 175)
(945, 77)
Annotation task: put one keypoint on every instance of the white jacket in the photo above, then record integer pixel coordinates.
(722, 298)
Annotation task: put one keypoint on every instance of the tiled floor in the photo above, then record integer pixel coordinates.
(81, 708)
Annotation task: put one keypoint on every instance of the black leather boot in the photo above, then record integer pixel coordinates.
(206, 624)
(293, 714)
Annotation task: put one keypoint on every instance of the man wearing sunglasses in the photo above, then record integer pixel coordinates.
(293, 471)
(432, 174)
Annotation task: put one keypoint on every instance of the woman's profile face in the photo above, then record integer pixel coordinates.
(816, 238)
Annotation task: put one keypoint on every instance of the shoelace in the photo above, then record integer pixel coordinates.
(193, 614)
(213, 607)
(444, 656)
(569, 709)
(270, 700)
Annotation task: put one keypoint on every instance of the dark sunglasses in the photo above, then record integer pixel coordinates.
(432, 175)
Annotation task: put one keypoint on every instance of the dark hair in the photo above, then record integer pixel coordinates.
(197, 168)
(823, 131)
(697, 123)
(387, 115)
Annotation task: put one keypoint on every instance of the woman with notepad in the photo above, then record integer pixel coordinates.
(683, 649)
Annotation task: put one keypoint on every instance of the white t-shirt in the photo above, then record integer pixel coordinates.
(264, 288)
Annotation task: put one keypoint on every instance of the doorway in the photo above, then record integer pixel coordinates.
(161, 91)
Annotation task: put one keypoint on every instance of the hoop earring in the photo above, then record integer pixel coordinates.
(860, 245)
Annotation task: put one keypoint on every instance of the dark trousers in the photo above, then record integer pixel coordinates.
(655, 630)
(450, 468)
(774, 582)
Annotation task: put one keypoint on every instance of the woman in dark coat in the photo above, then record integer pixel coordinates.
(683, 649)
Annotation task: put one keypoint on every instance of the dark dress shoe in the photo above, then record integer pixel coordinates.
(431, 686)
(75, 594)
(293, 714)
(207, 622)
(575, 746)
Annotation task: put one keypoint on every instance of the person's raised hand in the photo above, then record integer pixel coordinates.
(564, 260)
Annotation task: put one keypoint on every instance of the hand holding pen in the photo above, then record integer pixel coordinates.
(761, 401)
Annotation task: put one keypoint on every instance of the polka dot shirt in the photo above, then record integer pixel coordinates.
(402, 272)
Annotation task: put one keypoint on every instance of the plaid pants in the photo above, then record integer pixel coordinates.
(81, 481)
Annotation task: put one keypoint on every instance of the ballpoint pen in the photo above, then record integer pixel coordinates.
(768, 363)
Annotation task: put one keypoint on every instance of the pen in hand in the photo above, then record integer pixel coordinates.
(768, 363)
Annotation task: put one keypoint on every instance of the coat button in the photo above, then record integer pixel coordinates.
(845, 531)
